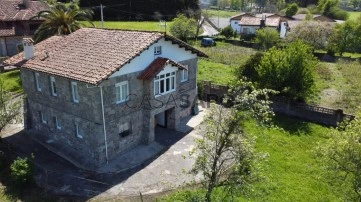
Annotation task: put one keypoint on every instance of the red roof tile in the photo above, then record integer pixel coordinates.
(158, 65)
(91, 55)
(14, 10)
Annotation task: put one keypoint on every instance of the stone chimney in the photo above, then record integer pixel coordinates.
(26, 3)
(263, 22)
(29, 51)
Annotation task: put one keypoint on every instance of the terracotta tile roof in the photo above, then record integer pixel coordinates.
(14, 10)
(91, 55)
(272, 22)
(250, 21)
(7, 31)
(158, 65)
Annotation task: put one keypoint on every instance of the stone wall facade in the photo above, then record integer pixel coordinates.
(89, 151)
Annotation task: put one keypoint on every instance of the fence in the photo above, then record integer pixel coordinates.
(281, 105)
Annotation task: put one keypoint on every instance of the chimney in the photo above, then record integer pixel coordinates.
(26, 3)
(263, 22)
(29, 51)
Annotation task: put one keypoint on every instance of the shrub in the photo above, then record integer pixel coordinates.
(22, 171)
(291, 9)
(338, 14)
(249, 69)
(183, 27)
(227, 32)
(267, 38)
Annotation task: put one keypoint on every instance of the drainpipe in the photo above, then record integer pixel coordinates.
(104, 128)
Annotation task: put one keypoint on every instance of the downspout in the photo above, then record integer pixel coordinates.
(104, 128)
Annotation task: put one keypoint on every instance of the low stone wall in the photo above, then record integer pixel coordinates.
(281, 105)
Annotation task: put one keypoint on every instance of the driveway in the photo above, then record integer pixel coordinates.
(169, 170)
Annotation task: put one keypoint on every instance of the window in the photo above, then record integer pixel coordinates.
(164, 83)
(53, 86)
(235, 22)
(77, 131)
(121, 92)
(125, 129)
(74, 91)
(37, 82)
(42, 117)
(57, 123)
(245, 30)
(184, 73)
(157, 50)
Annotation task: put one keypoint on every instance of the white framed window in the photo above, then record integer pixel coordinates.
(236, 22)
(184, 75)
(57, 123)
(78, 131)
(53, 86)
(37, 81)
(164, 83)
(121, 92)
(74, 92)
(42, 117)
(157, 50)
(125, 129)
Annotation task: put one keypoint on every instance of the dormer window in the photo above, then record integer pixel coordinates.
(158, 50)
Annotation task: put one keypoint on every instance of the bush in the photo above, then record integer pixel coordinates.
(249, 69)
(338, 14)
(227, 32)
(22, 171)
(267, 38)
(291, 10)
(247, 37)
(183, 27)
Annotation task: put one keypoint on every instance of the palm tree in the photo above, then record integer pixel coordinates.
(61, 19)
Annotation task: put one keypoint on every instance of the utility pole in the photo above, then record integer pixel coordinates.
(101, 15)
(218, 11)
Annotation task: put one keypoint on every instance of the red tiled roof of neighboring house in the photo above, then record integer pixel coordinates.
(91, 55)
(250, 21)
(158, 65)
(14, 10)
(7, 32)
(240, 16)
(272, 22)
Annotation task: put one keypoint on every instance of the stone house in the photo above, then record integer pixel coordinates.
(95, 94)
(15, 23)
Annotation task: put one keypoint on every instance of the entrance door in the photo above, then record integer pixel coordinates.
(161, 119)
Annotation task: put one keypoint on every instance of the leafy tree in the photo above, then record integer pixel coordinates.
(313, 33)
(341, 154)
(267, 38)
(227, 32)
(9, 108)
(22, 171)
(345, 37)
(249, 68)
(225, 150)
(183, 27)
(289, 71)
(291, 9)
(355, 3)
(61, 19)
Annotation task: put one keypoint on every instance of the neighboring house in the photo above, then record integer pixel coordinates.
(248, 24)
(15, 24)
(95, 94)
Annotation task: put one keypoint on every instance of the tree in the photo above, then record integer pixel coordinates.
(227, 32)
(61, 19)
(313, 33)
(341, 154)
(291, 9)
(345, 37)
(267, 38)
(225, 150)
(355, 3)
(289, 71)
(249, 68)
(183, 27)
(9, 108)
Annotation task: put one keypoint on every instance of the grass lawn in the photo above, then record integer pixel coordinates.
(222, 13)
(216, 72)
(291, 169)
(12, 81)
(146, 26)
(354, 15)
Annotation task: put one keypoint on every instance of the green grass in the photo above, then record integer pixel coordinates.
(144, 26)
(291, 170)
(12, 81)
(222, 13)
(218, 73)
(354, 15)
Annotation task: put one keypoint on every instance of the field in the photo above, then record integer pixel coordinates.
(354, 15)
(146, 26)
(12, 81)
(222, 13)
(291, 170)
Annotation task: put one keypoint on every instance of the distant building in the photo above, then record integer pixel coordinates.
(15, 24)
